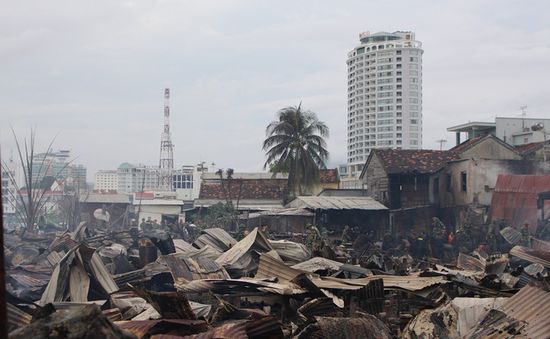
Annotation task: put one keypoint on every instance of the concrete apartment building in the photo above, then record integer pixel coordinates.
(106, 180)
(8, 187)
(514, 131)
(384, 96)
(58, 164)
(132, 178)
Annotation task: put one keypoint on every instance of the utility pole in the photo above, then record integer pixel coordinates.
(441, 143)
(166, 162)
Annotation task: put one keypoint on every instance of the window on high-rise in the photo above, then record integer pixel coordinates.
(414, 121)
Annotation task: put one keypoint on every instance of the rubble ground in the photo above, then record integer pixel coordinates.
(132, 283)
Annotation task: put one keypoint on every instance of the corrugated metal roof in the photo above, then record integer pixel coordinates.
(283, 212)
(216, 238)
(532, 305)
(16, 317)
(97, 198)
(511, 235)
(515, 198)
(142, 328)
(540, 245)
(244, 204)
(227, 330)
(470, 263)
(531, 255)
(231, 259)
(336, 203)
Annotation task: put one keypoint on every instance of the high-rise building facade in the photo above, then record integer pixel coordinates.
(384, 95)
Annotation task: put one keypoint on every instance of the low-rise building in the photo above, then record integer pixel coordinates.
(106, 180)
(514, 131)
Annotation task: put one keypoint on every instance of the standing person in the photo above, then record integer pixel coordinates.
(438, 234)
(346, 236)
(265, 231)
(526, 235)
(313, 240)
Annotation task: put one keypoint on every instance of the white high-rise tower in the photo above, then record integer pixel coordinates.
(384, 95)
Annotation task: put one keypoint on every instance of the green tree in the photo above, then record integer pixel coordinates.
(295, 143)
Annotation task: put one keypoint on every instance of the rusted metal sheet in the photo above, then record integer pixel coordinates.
(531, 255)
(170, 305)
(216, 238)
(515, 199)
(532, 305)
(511, 235)
(328, 327)
(291, 252)
(540, 245)
(242, 257)
(229, 330)
(16, 317)
(470, 263)
(113, 314)
(179, 327)
(186, 269)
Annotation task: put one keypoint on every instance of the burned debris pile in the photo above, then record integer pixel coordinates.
(156, 283)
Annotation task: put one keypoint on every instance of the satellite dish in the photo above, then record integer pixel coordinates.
(101, 214)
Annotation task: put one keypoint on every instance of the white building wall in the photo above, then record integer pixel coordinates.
(384, 95)
(187, 182)
(133, 179)
(9, 173)
(106, 180)
(517, 131)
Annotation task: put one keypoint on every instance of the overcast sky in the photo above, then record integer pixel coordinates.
(94, 72)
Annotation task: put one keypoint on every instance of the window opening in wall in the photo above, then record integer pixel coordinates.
(448, 180)
(463, 181)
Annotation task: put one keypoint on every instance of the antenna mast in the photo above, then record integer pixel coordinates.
(166, 163)
(523, 114)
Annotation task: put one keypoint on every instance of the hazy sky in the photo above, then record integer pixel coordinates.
(94, 72)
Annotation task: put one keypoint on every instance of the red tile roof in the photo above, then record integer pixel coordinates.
(254, 189)
(414, 161)
(466, 144)
(528, 148)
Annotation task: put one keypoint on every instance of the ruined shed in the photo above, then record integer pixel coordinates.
(285, 220)
(336, 212)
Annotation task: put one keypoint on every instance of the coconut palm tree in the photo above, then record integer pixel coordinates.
(296, 144)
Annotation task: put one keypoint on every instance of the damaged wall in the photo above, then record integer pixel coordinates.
(481, 177)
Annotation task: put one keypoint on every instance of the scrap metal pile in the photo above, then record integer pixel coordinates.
(136, 284)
